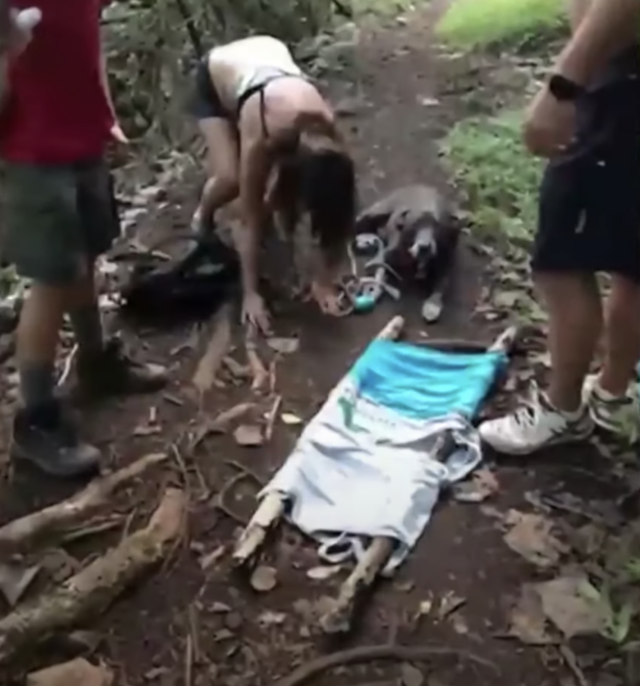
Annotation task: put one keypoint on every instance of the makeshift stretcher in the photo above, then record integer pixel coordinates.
(367, 471)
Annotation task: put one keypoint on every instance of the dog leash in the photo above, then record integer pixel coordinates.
(361, 293)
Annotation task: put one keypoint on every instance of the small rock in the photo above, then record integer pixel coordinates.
(411, 676)
(219, 608)
(286, 346)
(248, 435)
(323, 572)
(268, 618)
(264, 579)
(290, 419)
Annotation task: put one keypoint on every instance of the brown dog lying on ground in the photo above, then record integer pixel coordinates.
(421, 230)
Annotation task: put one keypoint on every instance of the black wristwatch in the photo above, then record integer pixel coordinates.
(564, 89)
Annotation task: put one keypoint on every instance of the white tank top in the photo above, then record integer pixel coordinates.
(254, 61)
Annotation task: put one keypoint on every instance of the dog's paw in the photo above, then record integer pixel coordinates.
(432, 309)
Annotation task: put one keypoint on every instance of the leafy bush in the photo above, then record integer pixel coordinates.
(483, 23)
(500, 177)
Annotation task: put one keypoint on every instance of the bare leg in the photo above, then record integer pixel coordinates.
(575, 323)
(37, 342)
(622, 336)
(222, 156)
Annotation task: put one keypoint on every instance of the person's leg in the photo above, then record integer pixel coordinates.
(563, 274)
(42, 241)
(613, 394)
(574, 308)
(221, 186)
(103, 367)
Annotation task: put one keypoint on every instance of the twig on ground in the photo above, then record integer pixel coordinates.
(182, 467)
(258, 370)
(188, 661)
(272, 417)
(272, 375)
(220, 423)
(569, 658)
(92, 529)
(310, 669)
(56, 518)
(194, 632)
(246, 470)
(68, 364)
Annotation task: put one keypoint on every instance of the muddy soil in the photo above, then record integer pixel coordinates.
(398, 99)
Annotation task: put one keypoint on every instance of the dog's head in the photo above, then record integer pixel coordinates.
(422, 249)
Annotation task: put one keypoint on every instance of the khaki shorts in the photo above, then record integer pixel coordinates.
(57, 218)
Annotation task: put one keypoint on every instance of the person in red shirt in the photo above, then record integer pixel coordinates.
(56, 120)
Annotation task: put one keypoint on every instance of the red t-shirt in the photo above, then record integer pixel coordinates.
(56, 111)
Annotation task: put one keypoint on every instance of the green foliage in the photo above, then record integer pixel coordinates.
(499, 176)
(482, 23)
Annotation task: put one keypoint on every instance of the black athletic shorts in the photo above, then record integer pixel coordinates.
(589, 204)
(205, 101)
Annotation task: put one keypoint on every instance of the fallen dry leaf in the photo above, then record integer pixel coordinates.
(15, 579)
(286, 346)
(323, 572)
(219, 608)
(482, 485)
(211, 558)
(528, 622)
(78, 672)
(410, 675)
(146, 430)
(268, 618)
(449, 604)
(425, 607)
(530, 536)
(248, 435)
(290, 419)
(264, 579)
(565, 605)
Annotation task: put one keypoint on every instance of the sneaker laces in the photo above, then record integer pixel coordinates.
(529, 412)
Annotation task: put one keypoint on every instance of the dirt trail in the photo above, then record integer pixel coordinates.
(461, 560)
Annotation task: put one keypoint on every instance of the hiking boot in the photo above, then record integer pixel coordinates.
(47, 439)
(619, 415)
(534, 426)
(113, 372)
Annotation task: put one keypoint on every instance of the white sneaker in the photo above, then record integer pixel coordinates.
(535, 425)
(618, 415)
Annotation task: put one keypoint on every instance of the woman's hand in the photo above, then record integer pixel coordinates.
(329, 298)
(254, 312)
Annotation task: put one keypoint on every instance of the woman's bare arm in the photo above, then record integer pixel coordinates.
(255, 166)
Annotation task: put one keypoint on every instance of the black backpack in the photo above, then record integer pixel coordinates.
(192, 286)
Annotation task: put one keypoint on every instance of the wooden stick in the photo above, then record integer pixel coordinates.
(505, 341)
(337, 619)
(60, 517)
(274, 504)
(308, 670)
(94, 588)
(265, 517)
(217, 347)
